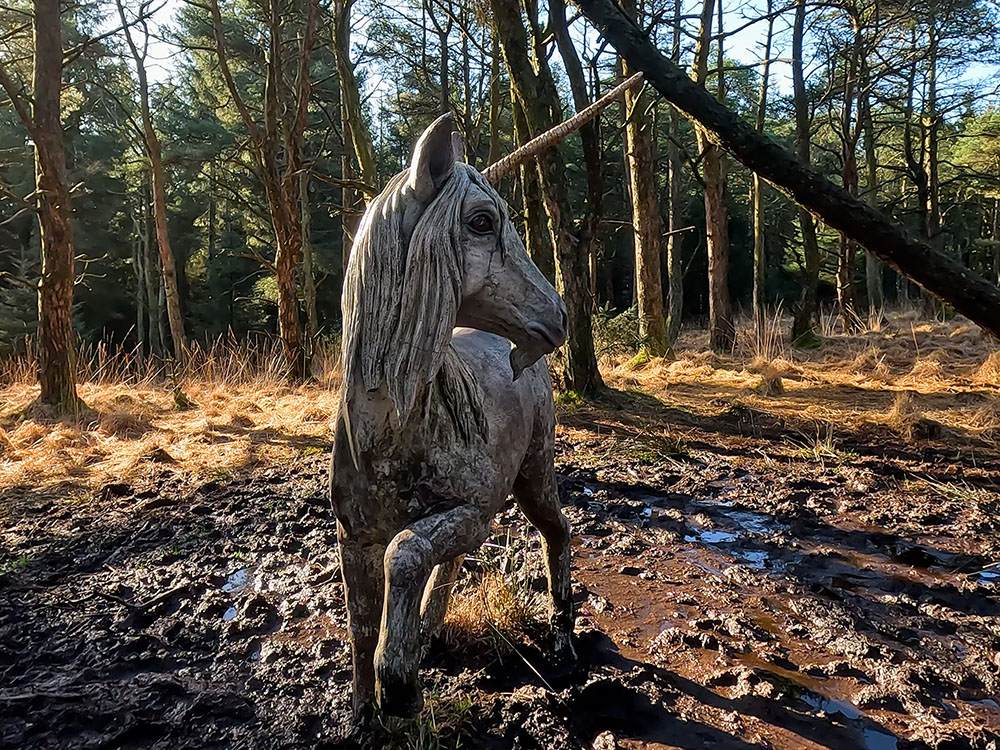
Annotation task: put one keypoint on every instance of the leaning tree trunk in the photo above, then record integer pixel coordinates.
(56, 345)
(969, 293)
(805, 318)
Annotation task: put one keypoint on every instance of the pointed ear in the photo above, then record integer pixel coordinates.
(433, 159)
(458, 146)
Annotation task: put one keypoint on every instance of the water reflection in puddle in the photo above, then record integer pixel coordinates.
(711, 536)
(829, 706)
(748, 524)
(236, 582)
(990, 576)
(872, 739)
(229, 614)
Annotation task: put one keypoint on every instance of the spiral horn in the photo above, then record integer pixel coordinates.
(500, 169)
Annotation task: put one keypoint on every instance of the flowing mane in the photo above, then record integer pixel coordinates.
(401, 298)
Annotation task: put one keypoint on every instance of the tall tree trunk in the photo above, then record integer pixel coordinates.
(589, 138)
(757, 189)
(278, 150)
(675, 266)
(929, 128)
(161, 319)
(308, 272)
(138, 261)
(805, 318)
(996, 239)
(153, 152)
(56, 342)
(472, 136)
(646, 228)
(151, 274)
(496, 100)
(873, 266)
(444, 62)
(534, 87)
(849, 175)
(357, 140)
(536, 235)
(722, 332)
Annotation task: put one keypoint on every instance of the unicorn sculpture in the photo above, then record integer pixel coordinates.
(441, 420)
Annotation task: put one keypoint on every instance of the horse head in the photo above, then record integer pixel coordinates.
(437, 249)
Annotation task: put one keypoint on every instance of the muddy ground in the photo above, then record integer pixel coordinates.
(740, 584)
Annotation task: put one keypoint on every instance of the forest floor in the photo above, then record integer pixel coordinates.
(778, 549)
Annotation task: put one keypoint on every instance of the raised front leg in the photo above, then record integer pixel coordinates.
(538, 498)
(409, 560)
(364, 582)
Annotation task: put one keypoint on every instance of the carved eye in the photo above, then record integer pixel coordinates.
(481, 224)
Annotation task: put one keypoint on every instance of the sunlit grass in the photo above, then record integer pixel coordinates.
(237, 412)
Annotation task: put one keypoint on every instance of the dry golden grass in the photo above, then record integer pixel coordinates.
(904, 374)
(495, 610)
(227, 410)
(129, 429)
(949, 371)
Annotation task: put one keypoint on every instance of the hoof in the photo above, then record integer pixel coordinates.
(362, 733)
(563, 646)
(399, 698)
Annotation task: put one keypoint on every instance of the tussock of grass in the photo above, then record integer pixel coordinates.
(446, 718)
(871, 364)
(961, 493)
(494, 604)
(926, 370)
(906, 418)
(770, 381)
(988, 373)
(821, 447)
(493, 609)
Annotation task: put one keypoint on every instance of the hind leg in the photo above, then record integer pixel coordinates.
(436, 596)
(536, 494)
